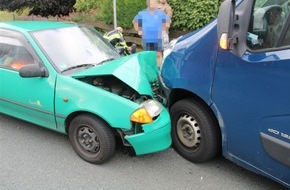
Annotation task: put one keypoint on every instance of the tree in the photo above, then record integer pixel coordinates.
(43, 8)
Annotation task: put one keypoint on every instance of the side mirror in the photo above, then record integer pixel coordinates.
(226, 19)
(33, 70)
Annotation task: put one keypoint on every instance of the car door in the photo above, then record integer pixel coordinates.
(31, 99)
(252, 94)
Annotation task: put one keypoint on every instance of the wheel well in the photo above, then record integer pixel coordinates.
(179, 94)
(75, 114)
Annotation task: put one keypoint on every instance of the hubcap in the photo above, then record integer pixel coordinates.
(188, 131)
(88, 139)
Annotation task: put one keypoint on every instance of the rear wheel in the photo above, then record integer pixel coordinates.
(92, 139)
(195, 134)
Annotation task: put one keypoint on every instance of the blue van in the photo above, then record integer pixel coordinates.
(228, 88)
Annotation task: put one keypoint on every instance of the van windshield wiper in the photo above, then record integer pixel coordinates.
(78, 66)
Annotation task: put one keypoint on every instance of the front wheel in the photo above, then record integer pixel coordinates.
(195, 133)
(91, 138)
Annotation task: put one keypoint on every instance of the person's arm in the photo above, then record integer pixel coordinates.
(137, 24)
(169, 11)
(122, 41)
(166, 22)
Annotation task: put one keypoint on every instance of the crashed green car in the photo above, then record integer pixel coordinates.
(66, 77)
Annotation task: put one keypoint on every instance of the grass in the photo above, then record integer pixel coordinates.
(7, 16)
(4, 16)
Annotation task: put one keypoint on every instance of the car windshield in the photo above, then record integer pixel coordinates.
(74, 47)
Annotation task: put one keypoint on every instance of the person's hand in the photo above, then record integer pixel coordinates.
(139, 32)
(163, 32)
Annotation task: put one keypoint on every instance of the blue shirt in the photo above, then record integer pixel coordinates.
(151, 24)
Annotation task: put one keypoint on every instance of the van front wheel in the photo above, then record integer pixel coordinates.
(195, 133)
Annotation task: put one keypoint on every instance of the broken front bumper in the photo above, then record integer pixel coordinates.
(156, 136)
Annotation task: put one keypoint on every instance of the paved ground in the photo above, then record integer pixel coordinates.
(36, 158)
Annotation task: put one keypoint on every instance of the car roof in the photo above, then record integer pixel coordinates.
(34, 25)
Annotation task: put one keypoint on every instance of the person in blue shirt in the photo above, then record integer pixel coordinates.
(151, 24)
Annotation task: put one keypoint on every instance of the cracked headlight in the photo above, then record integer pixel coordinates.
(148, 110)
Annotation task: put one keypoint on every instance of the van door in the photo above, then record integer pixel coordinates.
(252, 92)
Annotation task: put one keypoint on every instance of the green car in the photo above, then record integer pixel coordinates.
(66, 77)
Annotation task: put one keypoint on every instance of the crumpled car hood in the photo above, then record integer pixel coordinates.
(137, 71)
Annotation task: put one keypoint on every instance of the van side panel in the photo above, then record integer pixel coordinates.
(252, 94)
(190, 64)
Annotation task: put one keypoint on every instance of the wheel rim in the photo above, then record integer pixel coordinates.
(188, 131)
(88, 139)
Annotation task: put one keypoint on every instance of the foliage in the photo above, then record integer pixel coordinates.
(193, 14)
(187, 14)
(39, 7)
(6, 16)
(126, 10)
(87, 5)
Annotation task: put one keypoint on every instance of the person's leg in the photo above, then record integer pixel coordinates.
(159, 53)
(155, 47)
(133, 48)
(159, 58)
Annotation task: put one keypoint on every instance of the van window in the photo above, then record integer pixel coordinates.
(13, 54)
(268, 23)
(286, 41)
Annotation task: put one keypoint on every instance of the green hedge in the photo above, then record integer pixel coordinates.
(87, 5)
(187, 14)
(193, 14)
(126, 10)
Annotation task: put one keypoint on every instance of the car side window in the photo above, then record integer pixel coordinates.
(269, 24)
(13, 54)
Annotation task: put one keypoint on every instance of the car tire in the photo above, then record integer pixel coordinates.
(92, 138)
(195, 132)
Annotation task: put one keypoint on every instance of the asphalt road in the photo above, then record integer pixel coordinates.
(32, 157)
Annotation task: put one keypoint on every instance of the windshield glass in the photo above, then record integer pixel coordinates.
(74, 46)
(264, 3)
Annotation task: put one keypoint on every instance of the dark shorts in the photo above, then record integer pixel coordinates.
(153, 46)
